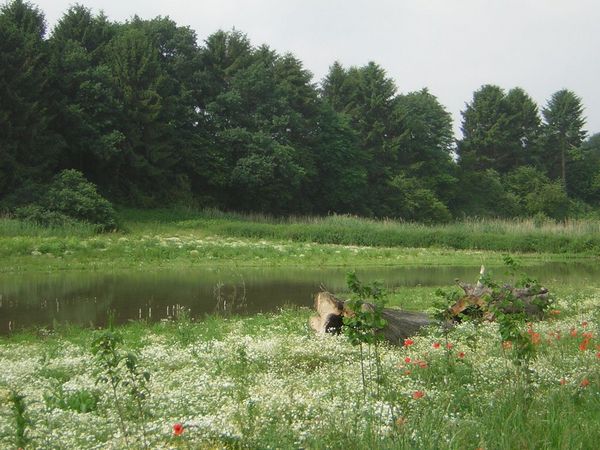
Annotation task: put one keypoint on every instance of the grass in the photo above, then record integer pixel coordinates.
(517, 235)
(183, 238)
(268, 382)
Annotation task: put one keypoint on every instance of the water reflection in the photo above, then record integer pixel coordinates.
(85, 297)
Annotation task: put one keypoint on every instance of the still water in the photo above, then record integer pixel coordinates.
(85, 298)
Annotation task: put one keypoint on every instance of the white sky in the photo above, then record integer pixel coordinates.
(450, 46)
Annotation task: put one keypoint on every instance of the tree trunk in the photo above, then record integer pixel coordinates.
(399, 324)
(478, 301)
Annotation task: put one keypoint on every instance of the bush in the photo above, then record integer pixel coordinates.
(70, 198)
(414, 202)
(42, 216)
(550, 199)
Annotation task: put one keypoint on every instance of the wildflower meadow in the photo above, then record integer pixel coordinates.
(267, 381)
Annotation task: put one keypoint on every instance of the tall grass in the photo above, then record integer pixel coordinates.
(18, 228)
(519, 235)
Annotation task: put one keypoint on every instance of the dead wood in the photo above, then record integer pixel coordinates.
(399, 324)
(482, 300)
(479, 300)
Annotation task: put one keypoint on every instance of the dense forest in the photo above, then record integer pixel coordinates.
(149, 116)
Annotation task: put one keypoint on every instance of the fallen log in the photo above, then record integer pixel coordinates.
(399, 324)
(483, 301)
(479, 301)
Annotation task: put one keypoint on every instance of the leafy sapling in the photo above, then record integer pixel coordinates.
(363, 324)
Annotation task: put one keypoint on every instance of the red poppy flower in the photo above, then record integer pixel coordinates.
(178, 429)
(449, 345)
(407, 360)
(436, 345)
(563, 381)
(461, 355)
(536, 338)
(408, 342)
(584, 324)
(584, 383)
(598, 355)
(418, 394)
(588, 335)
(584, 345)
(422, 364)
(555, 312)
(573, 332)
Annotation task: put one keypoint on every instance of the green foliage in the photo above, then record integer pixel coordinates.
(153, 117)
(41, 216)
(483, 194)
(563, 131)
(416, 203)
(509, 312)
(28, 147)
(21, 421)
(363, 325)
(550, 199)
(81, 401)
(72, 195)
(537, 194)
(499, 130)
(120, 369)
(68, 199)
(583, 176)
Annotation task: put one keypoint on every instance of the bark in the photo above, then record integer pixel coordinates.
(400, 324)
(478, 301)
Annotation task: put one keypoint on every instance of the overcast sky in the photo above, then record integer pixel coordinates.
(451, 47)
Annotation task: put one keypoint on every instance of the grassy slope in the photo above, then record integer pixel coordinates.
(184, 238)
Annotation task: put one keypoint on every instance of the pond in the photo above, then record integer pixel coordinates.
(85, 298)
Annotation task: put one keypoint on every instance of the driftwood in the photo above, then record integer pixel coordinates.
(477, 301)
(399, 324)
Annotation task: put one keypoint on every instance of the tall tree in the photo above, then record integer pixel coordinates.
(367, 97)
(334, 87)
(499, 130)
(27, 147)
(427, 145)
(145, 156)
(340, 184)
(583, 174)
(563, 131)
(92, 32)
(83, 94)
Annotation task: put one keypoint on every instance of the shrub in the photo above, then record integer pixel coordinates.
(550, 199)
(70, 198)
(43, 216)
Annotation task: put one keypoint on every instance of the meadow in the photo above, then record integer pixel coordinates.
(186, 238)
(267, 381)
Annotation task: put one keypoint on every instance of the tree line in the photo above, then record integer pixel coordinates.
(152, 117)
